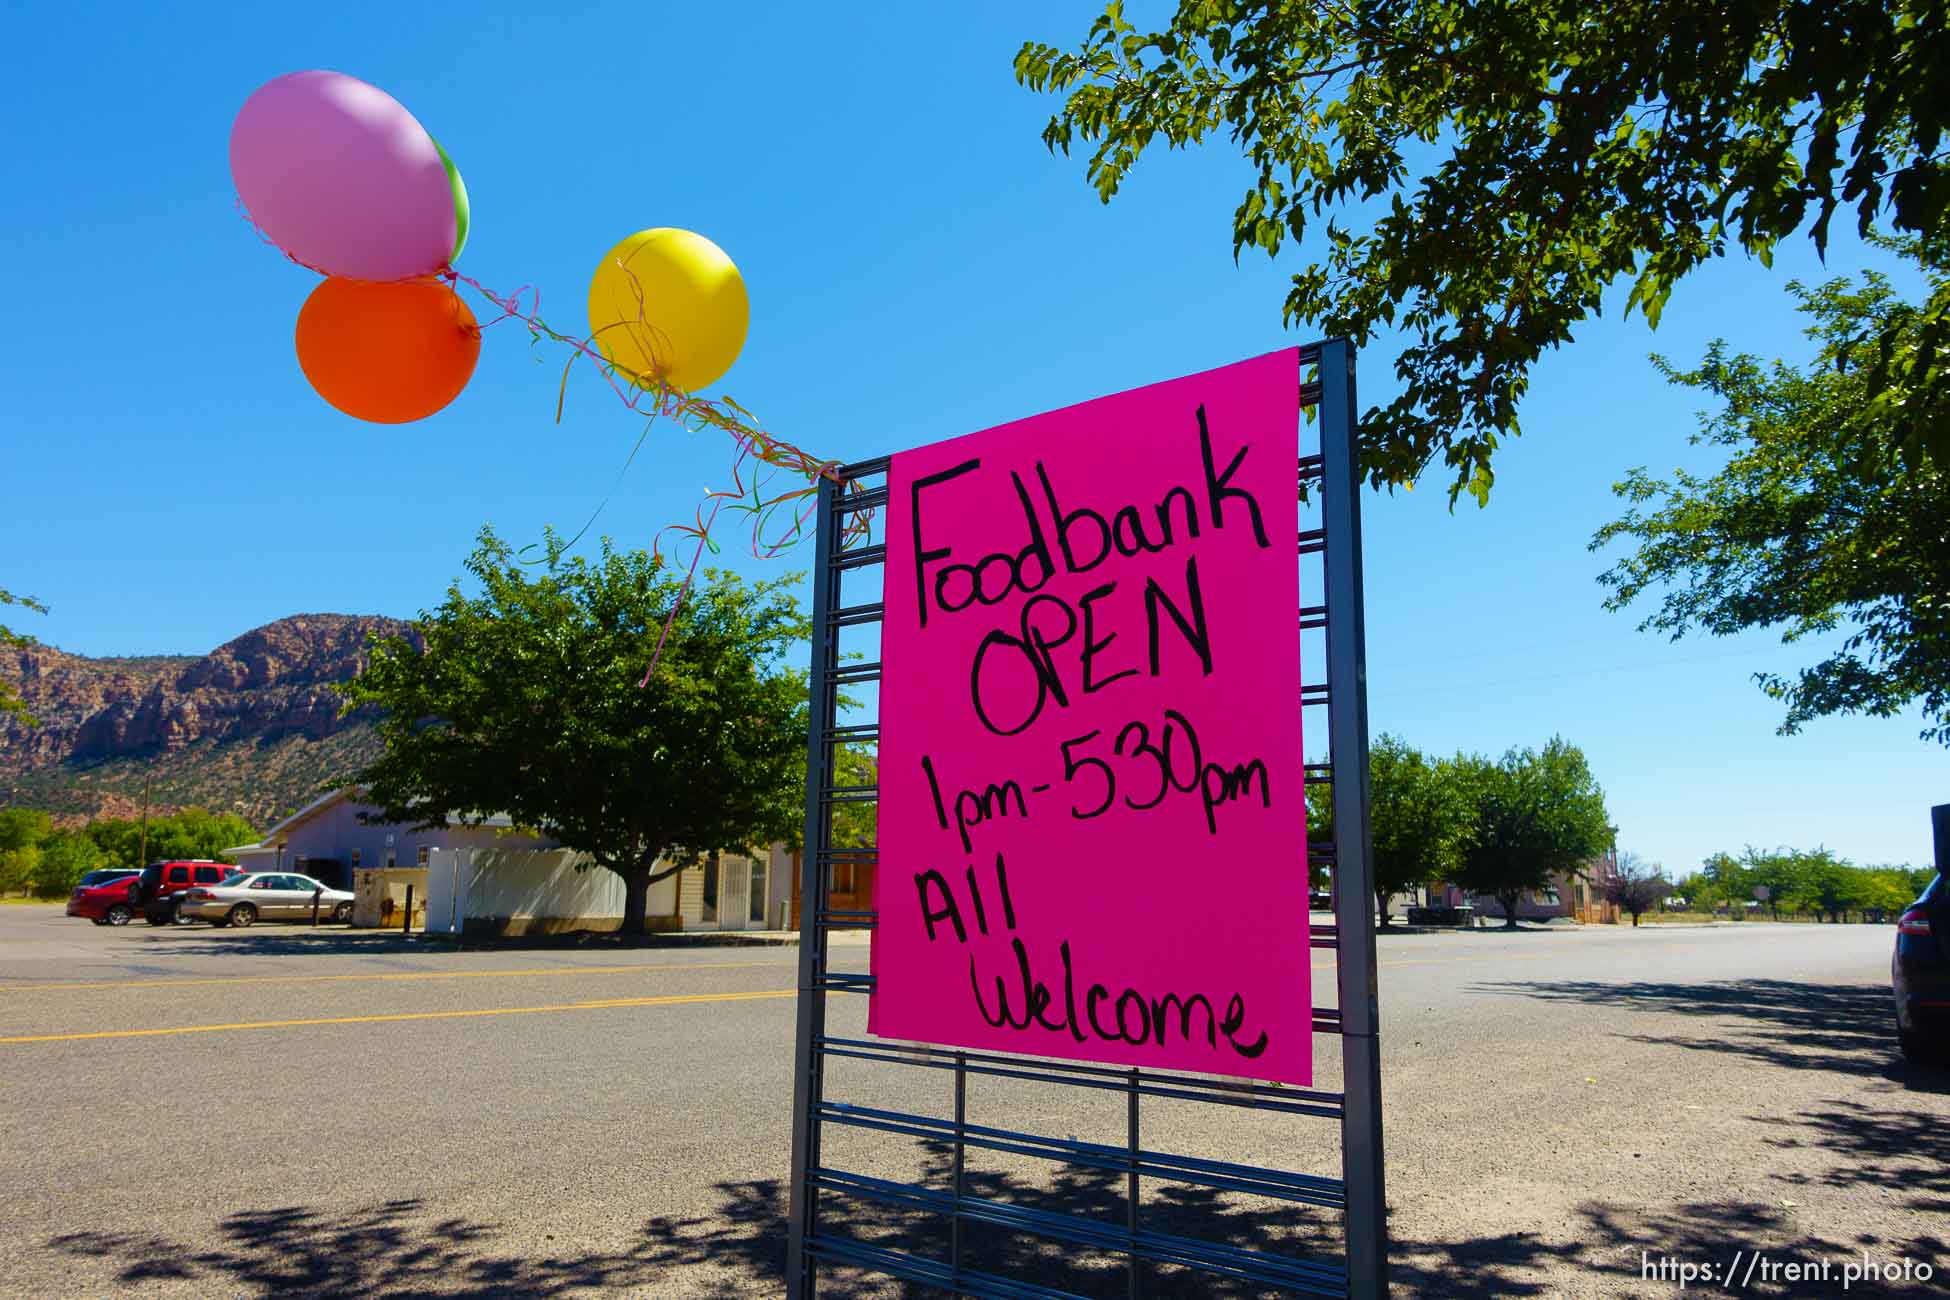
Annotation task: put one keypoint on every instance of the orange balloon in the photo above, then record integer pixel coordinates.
(387, 352)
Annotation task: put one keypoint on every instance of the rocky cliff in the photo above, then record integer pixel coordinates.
(252, 727)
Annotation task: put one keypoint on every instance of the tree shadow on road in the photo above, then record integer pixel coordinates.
(301, 940)
(738, 1248)
(1906, 1149)
(1841, 1028)
(399, 1248)
(273, 941)
(1759, 1245)
(751, 1228)
(1901, 1147)
(1609, 1252)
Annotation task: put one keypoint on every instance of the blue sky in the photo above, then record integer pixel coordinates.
(918, 266)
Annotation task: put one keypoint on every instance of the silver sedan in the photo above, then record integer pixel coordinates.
(265, 896)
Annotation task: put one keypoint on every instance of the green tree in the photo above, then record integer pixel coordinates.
(190, 833)
(1486, 170)
(1731, 883)
(1885, 891)
(197, 833)
(1534, 816)
(1828, 886)
(66, 856)
(17, 868)
(1696, 891)
(1820, 520)
(119, 840)
(22, 832)
(1320, 828)
(10, 701)
(856, 825)
(1780, 871)
(1320, 808)
(1419, 817)
(23, 828)
(528, 699)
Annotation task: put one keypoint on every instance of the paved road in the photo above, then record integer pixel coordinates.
(281, 1112)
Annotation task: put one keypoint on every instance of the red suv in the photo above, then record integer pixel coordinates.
(160, 886)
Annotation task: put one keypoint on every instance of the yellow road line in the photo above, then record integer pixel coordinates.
(186, 981)
(667, 1000)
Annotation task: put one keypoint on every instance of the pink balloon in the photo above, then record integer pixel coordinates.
(342, 177)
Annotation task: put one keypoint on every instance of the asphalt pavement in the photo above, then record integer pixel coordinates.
(284, 1112)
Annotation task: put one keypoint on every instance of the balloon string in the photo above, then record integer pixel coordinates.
(662, 399)
(689, 577)
(654, 397)
(658, 398)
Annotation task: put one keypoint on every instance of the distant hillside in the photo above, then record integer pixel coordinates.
(251, 728)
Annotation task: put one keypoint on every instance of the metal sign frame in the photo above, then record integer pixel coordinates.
(1357, 1194)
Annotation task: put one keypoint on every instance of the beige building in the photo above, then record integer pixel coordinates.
(496, 878)
(1581, 898)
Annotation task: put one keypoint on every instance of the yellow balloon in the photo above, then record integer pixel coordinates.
(668, 304)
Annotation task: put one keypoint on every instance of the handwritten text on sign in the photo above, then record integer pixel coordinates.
(1091, 826)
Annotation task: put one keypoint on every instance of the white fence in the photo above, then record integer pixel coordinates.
(528, 891)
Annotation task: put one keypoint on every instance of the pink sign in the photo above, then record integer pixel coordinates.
(1092, 832)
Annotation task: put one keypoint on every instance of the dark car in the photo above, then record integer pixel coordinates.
(1920, 972)
(161, 885)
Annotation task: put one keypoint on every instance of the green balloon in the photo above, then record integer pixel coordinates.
(459, 187)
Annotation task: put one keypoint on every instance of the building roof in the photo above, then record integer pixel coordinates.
(499, 821)
(311, 809)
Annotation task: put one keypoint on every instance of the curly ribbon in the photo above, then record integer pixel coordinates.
(656, 399)
(650, 396)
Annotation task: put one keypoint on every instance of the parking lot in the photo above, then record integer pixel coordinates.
(283, 1111)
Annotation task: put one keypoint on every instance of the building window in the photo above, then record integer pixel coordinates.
(422, 859)
(1546, 897)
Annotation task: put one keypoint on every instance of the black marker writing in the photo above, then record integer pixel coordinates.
(1085, 537)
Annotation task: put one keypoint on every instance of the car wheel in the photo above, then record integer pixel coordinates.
(342, 914)
(242, 915)
(118, 914)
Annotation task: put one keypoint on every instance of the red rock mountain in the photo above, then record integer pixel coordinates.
(251, 727)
